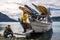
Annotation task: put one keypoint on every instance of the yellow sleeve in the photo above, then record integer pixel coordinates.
(24, 17)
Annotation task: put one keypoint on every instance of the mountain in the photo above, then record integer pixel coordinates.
(5, 18)
(11, 7)
(56, 18)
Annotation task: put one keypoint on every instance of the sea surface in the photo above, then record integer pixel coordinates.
(53, 34)
(56, 31)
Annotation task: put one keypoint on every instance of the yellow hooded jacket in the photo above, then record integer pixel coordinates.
(24, 18)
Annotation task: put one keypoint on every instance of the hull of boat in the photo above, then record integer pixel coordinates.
(41, 26)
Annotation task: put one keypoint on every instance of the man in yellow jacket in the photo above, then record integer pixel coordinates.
(25, 19)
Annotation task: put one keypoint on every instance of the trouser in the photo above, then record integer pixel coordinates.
(28, 26)
(24, 26)
(7, 33)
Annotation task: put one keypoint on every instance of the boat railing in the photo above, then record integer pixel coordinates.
(41, 18)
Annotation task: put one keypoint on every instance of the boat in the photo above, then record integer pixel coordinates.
(39, 22)
(41, 25)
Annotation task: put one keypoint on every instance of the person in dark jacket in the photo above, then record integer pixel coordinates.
(8, 31)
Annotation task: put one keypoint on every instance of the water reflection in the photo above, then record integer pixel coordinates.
(1, 28)
(41, 36)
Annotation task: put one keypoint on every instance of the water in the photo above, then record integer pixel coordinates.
(56, 31)
(53, 34)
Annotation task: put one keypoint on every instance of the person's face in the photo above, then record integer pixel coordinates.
(8, 26)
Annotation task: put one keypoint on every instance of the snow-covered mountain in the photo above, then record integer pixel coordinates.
(10, 7)
(49, 3)
(52, 5)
